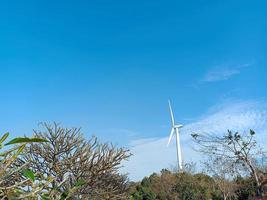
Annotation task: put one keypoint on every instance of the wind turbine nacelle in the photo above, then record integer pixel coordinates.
(178, 126)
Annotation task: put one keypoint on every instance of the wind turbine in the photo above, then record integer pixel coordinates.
(175, 128)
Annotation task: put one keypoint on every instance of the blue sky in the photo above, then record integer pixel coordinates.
(111, 66)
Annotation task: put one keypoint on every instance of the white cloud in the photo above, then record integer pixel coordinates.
(221, 73)
(152, 155)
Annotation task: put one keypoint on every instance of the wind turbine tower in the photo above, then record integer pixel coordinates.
(175, 129)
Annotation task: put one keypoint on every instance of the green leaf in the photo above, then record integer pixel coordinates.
(25, 140)
(29, 174)
(21, 148)
(4, 137)
(63, 195)
(79, 183)
(45, 197)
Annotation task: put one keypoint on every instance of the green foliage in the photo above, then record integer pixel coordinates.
(172, 186)
(246, 189)
(4, 137)
(188, 186)
(61, 165)
(17, 181)
(29, 174)
(20, 140)
(194, 187)
(80, 182)
(143, 192)
(11, 186)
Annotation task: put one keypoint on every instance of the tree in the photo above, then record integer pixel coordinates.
(195, 187)
(70, 160)
(240, 150)
(17, 181)
(143, 191)
(222, 172)
(246, 188)
(163, 185)
(175, 186)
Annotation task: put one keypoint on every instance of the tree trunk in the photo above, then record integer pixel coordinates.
(254, 173)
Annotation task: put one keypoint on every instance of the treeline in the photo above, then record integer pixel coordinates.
(189, 186)
(234, 169)
(58, 163)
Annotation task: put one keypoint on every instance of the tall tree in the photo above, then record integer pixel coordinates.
(240, 150)
(72, 160)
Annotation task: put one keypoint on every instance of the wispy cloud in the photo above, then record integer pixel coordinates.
(220, 73)
(151, 154)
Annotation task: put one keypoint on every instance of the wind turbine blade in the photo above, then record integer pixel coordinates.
(172, 118)
(170, 138)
